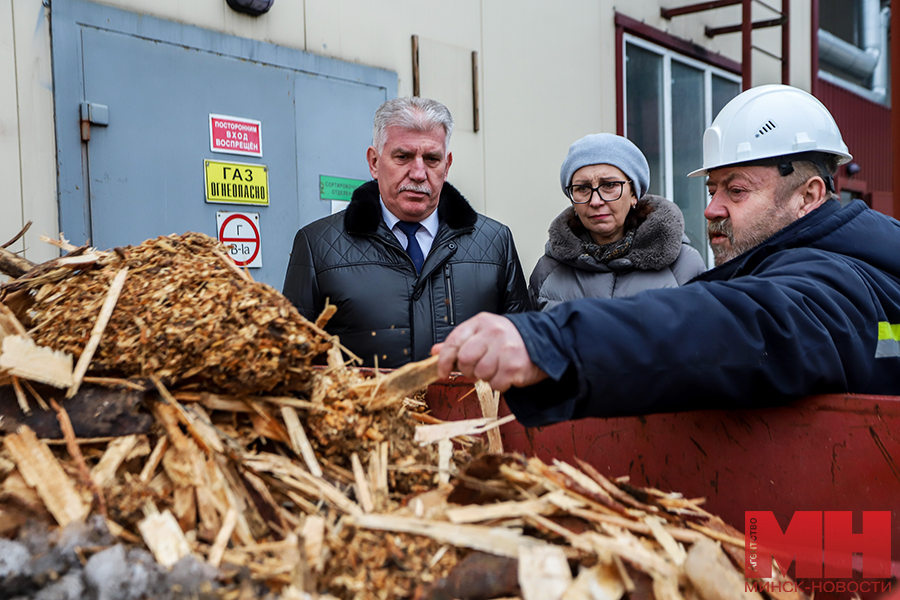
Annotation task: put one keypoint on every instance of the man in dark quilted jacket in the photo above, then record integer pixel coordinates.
(409, 258)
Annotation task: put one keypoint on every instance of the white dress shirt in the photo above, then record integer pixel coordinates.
(425, 235)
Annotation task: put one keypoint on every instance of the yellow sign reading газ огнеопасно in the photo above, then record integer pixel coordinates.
(236, 183)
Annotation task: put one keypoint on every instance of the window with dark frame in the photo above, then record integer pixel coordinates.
(669, 98)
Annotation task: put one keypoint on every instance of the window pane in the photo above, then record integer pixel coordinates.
(644, 106)
(723, 90)
(688, 125)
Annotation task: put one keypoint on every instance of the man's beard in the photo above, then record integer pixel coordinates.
(755, 233)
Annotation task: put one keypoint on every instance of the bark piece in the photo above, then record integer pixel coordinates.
(13, 265)
(478, 576)
(119, 416)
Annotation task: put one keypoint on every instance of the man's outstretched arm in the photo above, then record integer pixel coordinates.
(490, 348)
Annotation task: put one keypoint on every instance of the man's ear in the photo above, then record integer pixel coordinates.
(372, 158)
(813, 194)
(449, 162)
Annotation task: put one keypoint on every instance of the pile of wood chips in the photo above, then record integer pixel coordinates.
(322, 482)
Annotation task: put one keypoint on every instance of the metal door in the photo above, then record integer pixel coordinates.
(152, 85)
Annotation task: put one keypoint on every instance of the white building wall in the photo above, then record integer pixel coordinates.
(547, 77)
(27, 142)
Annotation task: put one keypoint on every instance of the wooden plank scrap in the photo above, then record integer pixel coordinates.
(164, 537)
(362, 485)
(673, 549)
(220, 486)
(9, 324)
(154, 460)
(679, 533)
(62, 243)
(251, 525)
(600, 582)
(712, 573)
(21, 398)
(429, 434)
(666, 588)
(490, 405)
(543, 572)
(104, 472)
(445, 453)
(614, 490)
(717, 535)
(630, 549)
(181, 414)
(23, 358)
(431, 504)
(34, 393)
(42, 471)
(299, 441)
(495, 540)
(313, 534)
(14, 487)
(511, 509)
(109, 305)
(222, 538)
(326, 314)
(402, 382)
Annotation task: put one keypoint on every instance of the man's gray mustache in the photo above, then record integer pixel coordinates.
(721, 227)
(419, 189)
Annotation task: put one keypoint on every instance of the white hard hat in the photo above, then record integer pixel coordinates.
(769, 122)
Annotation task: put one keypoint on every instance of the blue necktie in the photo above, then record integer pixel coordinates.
(412, 244)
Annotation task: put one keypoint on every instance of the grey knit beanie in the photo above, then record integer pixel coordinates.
(607, 149)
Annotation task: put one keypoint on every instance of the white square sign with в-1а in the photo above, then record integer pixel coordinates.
(240, 232)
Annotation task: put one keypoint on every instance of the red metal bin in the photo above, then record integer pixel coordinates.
(823, 453)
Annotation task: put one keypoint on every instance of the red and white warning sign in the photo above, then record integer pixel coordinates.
(240, 232)
(235, 135)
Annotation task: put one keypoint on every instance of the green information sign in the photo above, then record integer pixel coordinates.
(337, 188)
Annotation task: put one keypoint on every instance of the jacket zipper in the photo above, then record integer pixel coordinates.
(448, 289)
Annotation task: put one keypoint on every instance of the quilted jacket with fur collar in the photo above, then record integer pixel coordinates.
(386, 312)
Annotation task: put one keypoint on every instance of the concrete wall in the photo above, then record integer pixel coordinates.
(530, 52)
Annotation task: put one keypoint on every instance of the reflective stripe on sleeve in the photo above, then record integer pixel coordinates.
(888, 340)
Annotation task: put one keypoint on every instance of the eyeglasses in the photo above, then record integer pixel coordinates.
(609, 191)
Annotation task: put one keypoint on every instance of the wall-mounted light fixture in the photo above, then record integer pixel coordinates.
(251, 7)
(852, 169)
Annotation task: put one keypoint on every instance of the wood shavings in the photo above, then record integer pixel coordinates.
(319, 482)
(183, 315)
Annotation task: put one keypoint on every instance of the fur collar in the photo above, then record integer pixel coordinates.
(657, 241)
(364, 213)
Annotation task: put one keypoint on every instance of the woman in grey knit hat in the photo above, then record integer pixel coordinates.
(614, 240)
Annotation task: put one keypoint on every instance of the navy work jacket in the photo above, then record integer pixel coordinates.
(813, 309)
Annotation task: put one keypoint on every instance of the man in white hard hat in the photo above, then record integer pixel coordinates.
(805, 297)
